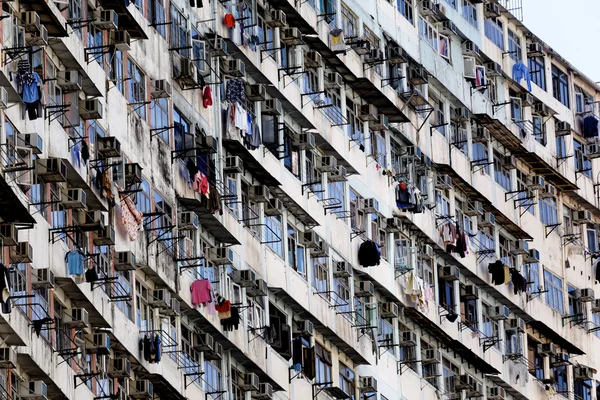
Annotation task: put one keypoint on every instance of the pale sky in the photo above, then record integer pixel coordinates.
(571, 28)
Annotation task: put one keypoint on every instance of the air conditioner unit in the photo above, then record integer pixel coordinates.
(259, 193)
(141, 389)
(592, 150)
(291, 36)
(220, 255)
(204, 342)
(364, 289)
(562, 128)
(464, 382)
(9, 235)
(470, 67)
(510, 162)
(90, 109)
(42, 278)
(188, 73)
(105, 237)
(586, 295)
(471, 292)
(51, 170)
(122, 40)
(22, 253)
(119, 368)
(417, 76)
(450, 273)
(361, 46)
(33, 390)
(235, 68)
(251, 382)
(407, 339)
(559, 360)
(515, 323)
(273, 207)
(369, 206)
(532, 256)
(535, 49)
(160, 88)
(133, 174)
(8, 358)
(475, 209)
(476, 390)
(374, 56)
(306, 328)
(549, 191)
(108, 147)
(125, 261)
(326, 164)
(393, 224)
(487, 220)
(447, 27)
(92, 221)
(388, 310)
(583, 373)
(37, 38)
(233, 165)
(74, 199)
(342, 269)
(547, 349)
(493, 68)
(538, 108)
(100, 344)
(313, 59)
(265, 392)
(460, 114)
(395, 55)
(69, 81)
(272, 107)
(79, 319)
(492, 10)
(258, 289)
(470, 48)
(256, 92)
(481, 134)
(381, 124)
(309, 239)
(161, 298)
(304, 141)
(107, 20)
(322, 250)
(216, 353)
(368, 112)
(277, 19)
(426, 8)
(443, 181)
(368, 384)
(333, 80)
(431, 356)
(426, 252)
(219, 47)
(596, 306)
(500, 313)
(582, 217)
(30, 20)
(188, 221)
(496, 393)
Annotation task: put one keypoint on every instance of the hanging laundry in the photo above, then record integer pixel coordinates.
(192, 168)
(201, 292)
(4, 283)
(521, 71)
(233, 322)
(497, 270)
(91, 275)
(519, 282)
(29, 84)
(590, 126)
(131, 217)
(369, 254)
(229, 20)
(85, 152)
(408, 198)
(337, 42)
(207, 97)
(106, 184)
(38, 324)
(157, 348)
(235, 91)
(74, 260)
(200, 184)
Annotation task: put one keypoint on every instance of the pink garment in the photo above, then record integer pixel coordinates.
(201, 292)
(130, 216)
(197, 182)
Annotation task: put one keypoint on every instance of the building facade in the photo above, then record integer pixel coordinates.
(186, 187)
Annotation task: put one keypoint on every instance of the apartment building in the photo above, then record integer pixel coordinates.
(276, 199)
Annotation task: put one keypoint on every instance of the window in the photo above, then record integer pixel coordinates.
(513, 341)
(116, 73)
(429, 371)
(322, 365)
(296, 252)
(446, 292)
(320, 274)
(501, 173)
(378, 149)
(536, 361)
(179, 39)
(582, 163)
(561, 147)
(385, 335)
(355, 125)
(313, 177)
(537, 71)
(469, 12)
(75, 13)
(407, 353)
(526, 197)
(531, 274)
(143, 311)
(237, 382)
(494, 31)
(480, 156)
(378, 234)
(273, 234)
(96, 39)
(157, 12)
(548, 213)
(159, 118)
(142, 198)
(442, 203)
(406, 9)
(212, 378)
(506, 256)
(164, 223)
(514, 46)
(357, 220)
(137, 88)
(347, 381)
(124, 280)
(560, 86)
(554, 295)
(489, 327)
(349, 22)
(582, 389)
(592, 240)
(539, 129)
(439, 116)
(561, 384)
(576, 312)
(337, 191)
(449, 373)
(428, 32)
(452, 3)
(468, 310)
(373, 40)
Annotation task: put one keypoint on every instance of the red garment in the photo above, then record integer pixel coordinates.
(201, 292)
(229, 20)
(403, 186)
(207, 97)
(226, 306)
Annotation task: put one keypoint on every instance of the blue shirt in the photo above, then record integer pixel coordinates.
(75, 262)
(30, 92)
(521, 71)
